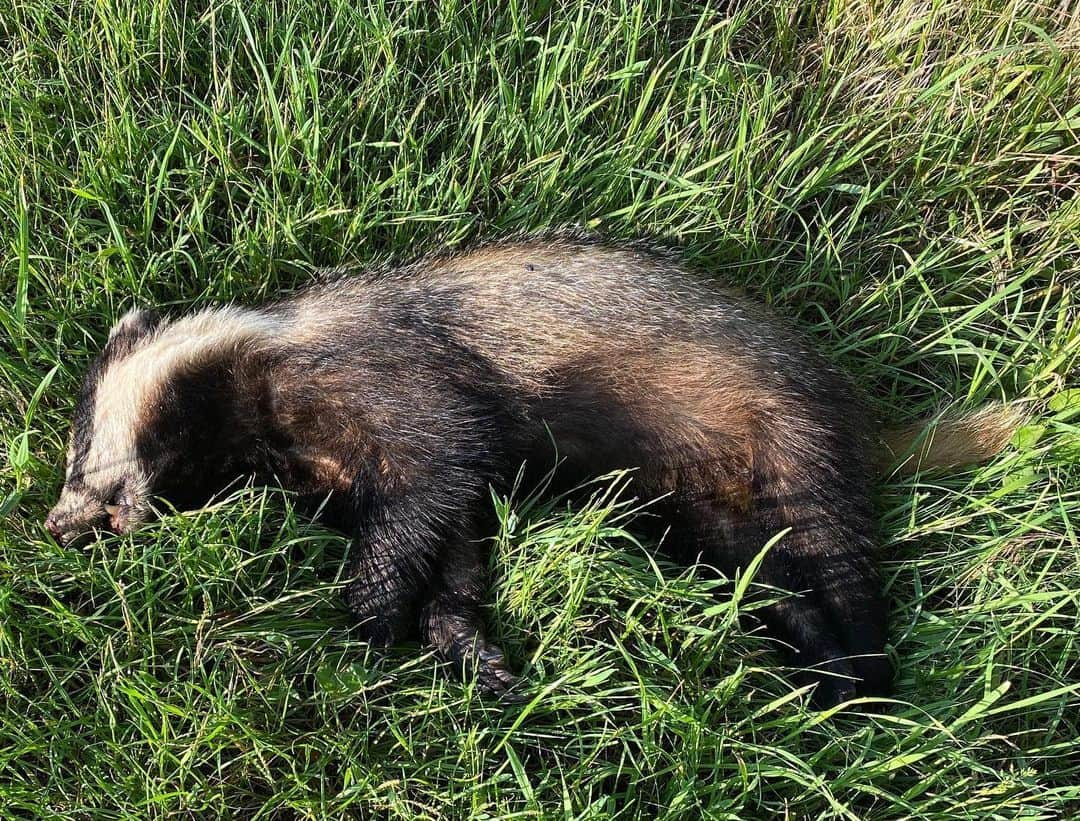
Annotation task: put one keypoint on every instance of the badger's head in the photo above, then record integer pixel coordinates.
(157, 417)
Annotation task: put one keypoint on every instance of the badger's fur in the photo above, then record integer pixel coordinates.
(404, 395)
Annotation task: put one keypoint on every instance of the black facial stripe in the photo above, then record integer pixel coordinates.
(83, 424)
(199, 435)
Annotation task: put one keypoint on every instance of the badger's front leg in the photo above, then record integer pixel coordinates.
(385, 579)
(451, 621)
(398, 536)
(416, 552)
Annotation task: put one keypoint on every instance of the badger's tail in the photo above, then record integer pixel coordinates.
(951, 439)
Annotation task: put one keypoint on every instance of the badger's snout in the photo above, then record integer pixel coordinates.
(52, 524)
(66, 524)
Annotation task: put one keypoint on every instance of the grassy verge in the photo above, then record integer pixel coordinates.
(901, 179)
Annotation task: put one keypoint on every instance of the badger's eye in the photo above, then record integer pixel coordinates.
(116, 501)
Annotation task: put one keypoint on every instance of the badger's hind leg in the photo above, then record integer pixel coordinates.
(819, 487)
(710, 533)
(834, 617)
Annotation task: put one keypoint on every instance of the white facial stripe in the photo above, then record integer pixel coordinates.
(128, 385)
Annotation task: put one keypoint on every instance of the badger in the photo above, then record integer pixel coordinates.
(397, 399)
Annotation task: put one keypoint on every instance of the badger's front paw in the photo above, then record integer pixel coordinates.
(454, 629)
(378, 631)
(493, 674)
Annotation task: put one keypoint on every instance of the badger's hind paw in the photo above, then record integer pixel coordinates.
(832, 691)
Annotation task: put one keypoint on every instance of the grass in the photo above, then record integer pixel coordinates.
(900, 179)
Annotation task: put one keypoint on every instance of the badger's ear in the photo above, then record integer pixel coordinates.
(130, 328)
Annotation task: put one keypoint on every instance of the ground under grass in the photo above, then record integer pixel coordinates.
(900, 179)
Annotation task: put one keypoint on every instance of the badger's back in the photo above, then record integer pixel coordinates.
(543, 308)
(616, 353)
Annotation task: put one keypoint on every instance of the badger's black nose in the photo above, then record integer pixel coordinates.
(53, 527)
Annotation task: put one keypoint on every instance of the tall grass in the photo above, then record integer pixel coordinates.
(899, 178)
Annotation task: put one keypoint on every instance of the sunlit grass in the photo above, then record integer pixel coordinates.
(899, 179)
